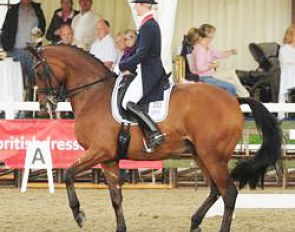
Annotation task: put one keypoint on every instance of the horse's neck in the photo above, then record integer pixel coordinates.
(97, 96)
(84, 70)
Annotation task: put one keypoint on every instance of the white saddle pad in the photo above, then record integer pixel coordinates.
(157, 110)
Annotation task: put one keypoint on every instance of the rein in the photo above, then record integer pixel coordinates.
(71, 92)
(51, 91)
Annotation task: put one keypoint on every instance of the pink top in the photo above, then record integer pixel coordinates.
(203, 57)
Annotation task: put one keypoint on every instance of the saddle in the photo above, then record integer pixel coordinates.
(157, 110)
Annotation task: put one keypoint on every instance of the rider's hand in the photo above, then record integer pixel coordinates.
(127, 72)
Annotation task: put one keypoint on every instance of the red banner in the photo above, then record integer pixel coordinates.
(16, 134)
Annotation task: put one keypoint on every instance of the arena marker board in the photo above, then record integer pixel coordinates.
(38, 156)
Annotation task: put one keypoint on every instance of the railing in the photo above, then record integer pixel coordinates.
(11, 107)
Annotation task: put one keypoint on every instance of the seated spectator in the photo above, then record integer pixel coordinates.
(287, 63)
(84, 25)
(63, 15)
(104, 46)
(205, 60)
(190, 40)
(120, 45)
(130, 37)
(66, 34)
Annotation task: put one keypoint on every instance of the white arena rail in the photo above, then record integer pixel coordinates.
(273, 107)
(10, 108)
(256, 201)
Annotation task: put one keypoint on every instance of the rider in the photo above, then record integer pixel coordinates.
(146, 63)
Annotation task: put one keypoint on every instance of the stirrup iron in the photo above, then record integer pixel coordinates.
(150, 149)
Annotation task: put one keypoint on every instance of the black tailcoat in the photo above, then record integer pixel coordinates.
(148, 54)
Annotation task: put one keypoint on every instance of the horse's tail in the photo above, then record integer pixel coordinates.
(252, 170)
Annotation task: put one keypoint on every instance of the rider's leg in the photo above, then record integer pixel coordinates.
(156, 137)
(132, 95)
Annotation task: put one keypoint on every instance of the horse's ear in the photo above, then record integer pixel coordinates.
(33, 50)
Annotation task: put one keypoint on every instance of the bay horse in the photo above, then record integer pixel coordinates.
(202, 119)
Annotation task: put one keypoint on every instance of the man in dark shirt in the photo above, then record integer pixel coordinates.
(23, 20)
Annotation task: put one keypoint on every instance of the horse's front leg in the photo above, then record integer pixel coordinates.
(85, 162)
(112, 175)
(78, 214)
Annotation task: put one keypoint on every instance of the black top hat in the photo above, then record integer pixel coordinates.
(145, 1)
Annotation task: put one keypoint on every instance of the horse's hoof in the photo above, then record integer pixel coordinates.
(81, 218)
(121, 230)
(196, 230)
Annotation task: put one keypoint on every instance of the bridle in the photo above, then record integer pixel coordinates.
(52, 93)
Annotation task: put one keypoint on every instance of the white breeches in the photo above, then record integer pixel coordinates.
(135, 90)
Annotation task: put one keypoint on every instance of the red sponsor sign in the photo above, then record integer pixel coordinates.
(16, 134)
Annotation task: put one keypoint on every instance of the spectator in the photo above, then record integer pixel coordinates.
(190, 40)
(104, 47)
(130, 37)
(63, 15)
(121, 45)
(205, 60)
(66, 34)
(287, 63)
(22, 21)
(84, 25)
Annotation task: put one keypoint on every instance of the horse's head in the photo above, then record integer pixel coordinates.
(49, 76)
(65, 71)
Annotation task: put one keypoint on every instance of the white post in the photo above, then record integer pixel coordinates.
(38, 156)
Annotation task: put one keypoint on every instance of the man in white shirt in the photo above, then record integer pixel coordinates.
(104, 47)
(84, 25)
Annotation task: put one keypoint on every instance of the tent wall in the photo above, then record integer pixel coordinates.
(117, 12)
(238, 22)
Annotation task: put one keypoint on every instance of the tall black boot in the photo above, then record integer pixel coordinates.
(156, 138)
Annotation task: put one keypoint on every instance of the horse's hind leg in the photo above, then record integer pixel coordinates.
(220, 175)
(229, 198)
(112, 175)
(199, 215)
